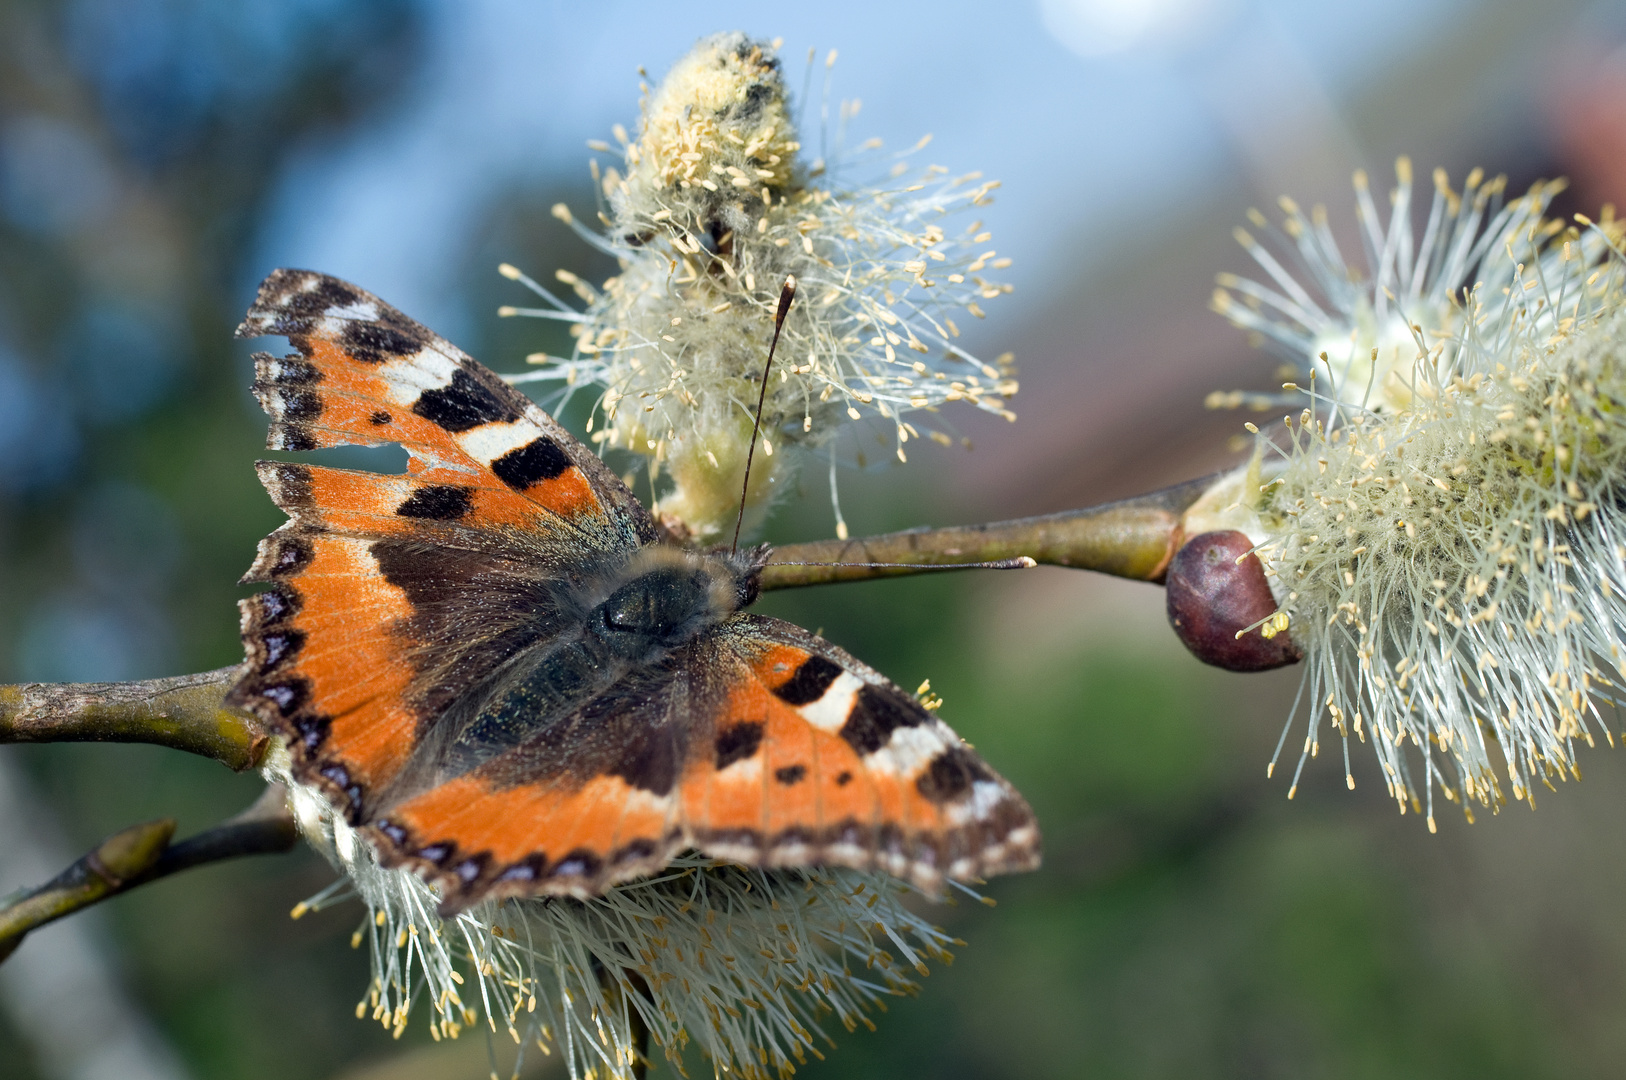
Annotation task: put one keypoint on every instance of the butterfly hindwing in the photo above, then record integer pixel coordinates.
(576, 803)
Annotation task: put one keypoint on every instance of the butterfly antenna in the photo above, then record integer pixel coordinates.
(1020, 562)
(786, 295)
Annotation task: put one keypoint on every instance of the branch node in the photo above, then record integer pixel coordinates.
(128, 854)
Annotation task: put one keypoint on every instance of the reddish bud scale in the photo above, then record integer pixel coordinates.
(1212, 595)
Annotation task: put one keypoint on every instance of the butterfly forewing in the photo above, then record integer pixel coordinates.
(397, 592)
(365, 374)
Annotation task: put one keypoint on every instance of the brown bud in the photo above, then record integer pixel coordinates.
(1211, 596)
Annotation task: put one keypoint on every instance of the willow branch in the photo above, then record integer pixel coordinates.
(1134, 538)
(143, 853)
(183, 713)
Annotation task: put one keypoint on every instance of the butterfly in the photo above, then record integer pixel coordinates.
(501, 671)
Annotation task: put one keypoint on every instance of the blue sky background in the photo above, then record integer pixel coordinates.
(1086, 145)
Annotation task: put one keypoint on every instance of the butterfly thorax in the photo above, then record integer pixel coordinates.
(665, 597)
(612, 632)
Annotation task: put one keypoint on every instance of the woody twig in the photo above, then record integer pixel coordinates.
(184, 712)
(1134, 538)
(143, 853)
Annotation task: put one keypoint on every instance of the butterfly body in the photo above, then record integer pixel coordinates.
(501, 671)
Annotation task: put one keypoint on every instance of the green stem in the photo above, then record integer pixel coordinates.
(184, 712)
(143, 853)
(1134, 538)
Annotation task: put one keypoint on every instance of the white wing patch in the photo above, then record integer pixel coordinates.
(910, 750)
(334, 318)
(409, 376)
(488, 442)
(986, 795)
(831, 710)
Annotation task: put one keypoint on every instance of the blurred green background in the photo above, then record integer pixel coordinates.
(156, 157)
